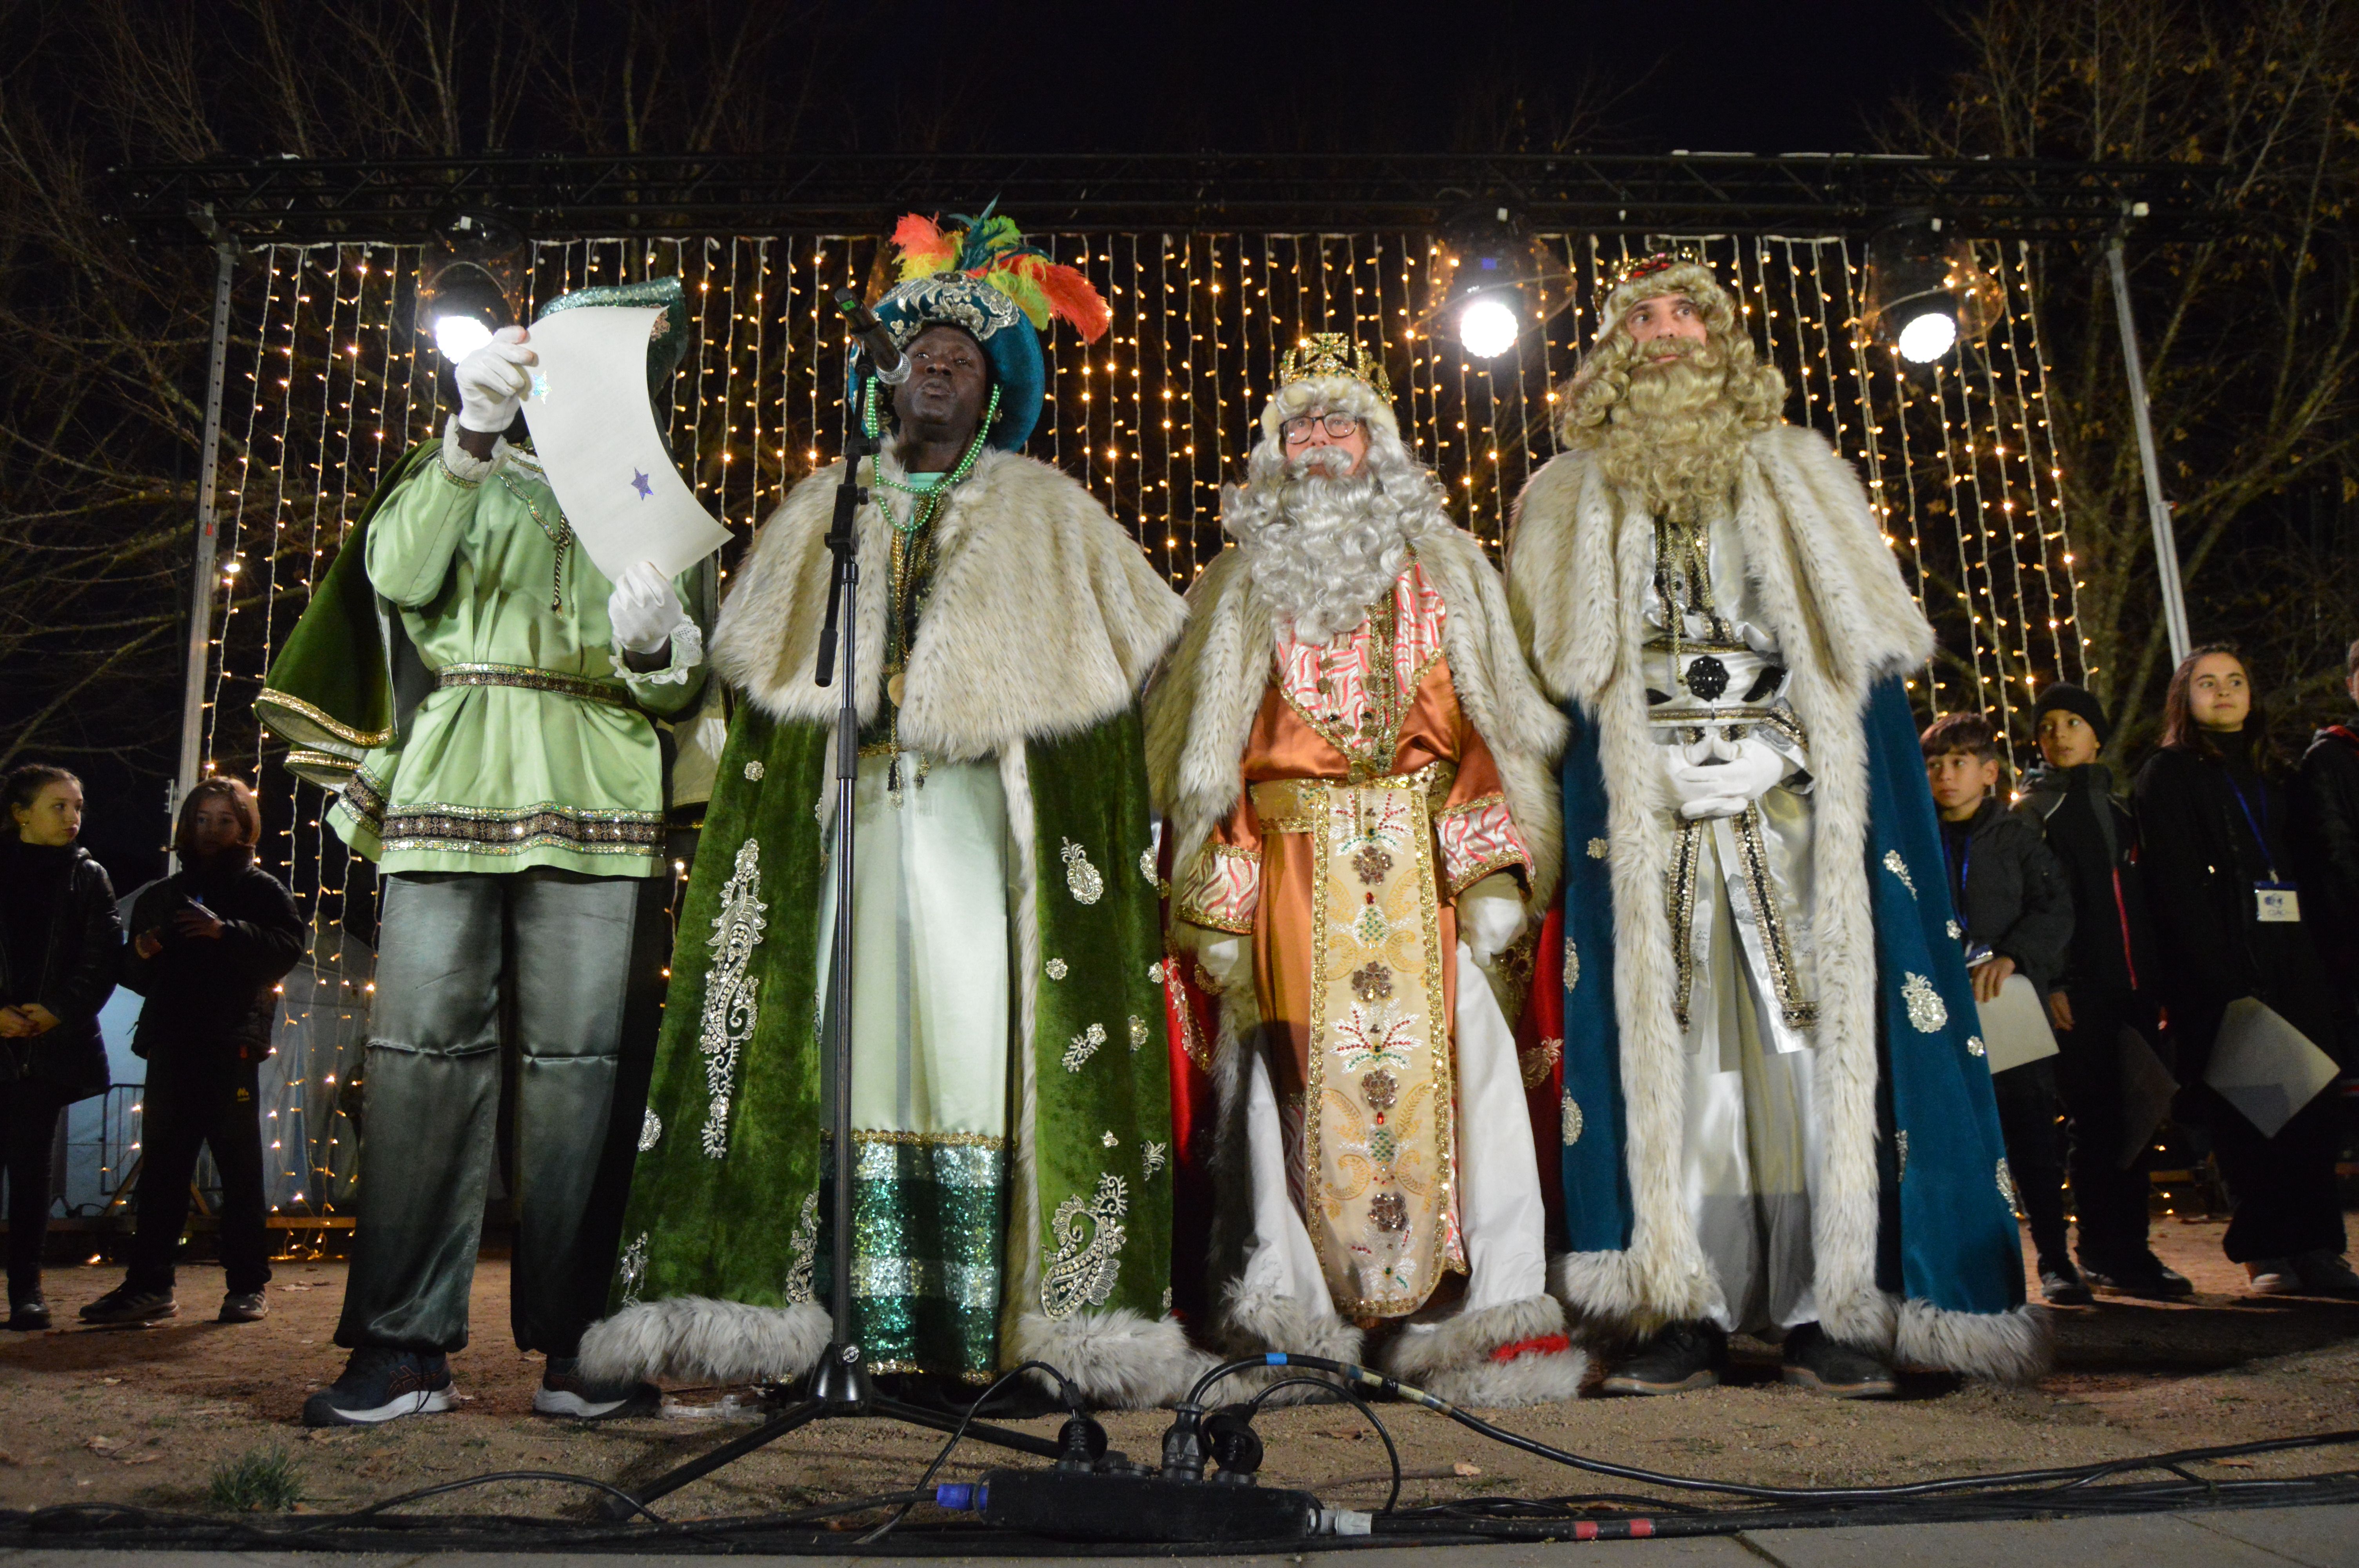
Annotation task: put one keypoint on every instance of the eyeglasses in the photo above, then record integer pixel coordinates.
(1339, 426)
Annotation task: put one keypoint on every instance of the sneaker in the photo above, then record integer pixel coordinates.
(1830, 1366)
(380, 1385)
(564, 1392)
(28, 1314)
(2325, 1273)
(243, 1306)
(1682, 1356)
(2273, 1277)
(2150, 1281)
(125, 1307)
(2062, 1285)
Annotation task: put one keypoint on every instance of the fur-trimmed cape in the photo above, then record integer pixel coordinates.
(1580, 558)
(1044, 618)
(1200, 715)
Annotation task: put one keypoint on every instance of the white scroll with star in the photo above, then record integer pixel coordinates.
(593, 429)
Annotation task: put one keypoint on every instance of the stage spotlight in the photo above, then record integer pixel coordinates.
(1488, 325)
(469, 280)
(1925, 292)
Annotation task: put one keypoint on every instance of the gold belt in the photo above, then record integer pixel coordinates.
(1296, 805)
(531, 679)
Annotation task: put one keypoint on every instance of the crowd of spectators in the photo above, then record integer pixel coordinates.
(2230, 872)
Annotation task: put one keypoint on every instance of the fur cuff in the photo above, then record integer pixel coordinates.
(1610, 1294)
(1249, 1325)
(1458, 1359)
(1118, 1360)
(2006, 1346)
(697, 1339)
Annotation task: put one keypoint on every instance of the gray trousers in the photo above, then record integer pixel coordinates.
(477, 973)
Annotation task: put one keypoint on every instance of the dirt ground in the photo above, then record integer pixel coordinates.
(147, 1416)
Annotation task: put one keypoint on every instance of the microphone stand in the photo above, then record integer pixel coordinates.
(840, 1384)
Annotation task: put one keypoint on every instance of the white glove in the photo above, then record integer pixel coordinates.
(1720, 777)
(493, 382)
(644, 610)
(1224, 957)
(1490, 916)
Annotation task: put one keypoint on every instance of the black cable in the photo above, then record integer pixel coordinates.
(339, 1520)
(1392, 1499)
(1065, 1389)
(2066, 1475)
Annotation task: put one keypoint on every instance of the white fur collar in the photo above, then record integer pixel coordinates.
(1045, 617)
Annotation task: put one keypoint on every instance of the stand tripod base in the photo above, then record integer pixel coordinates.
(838, 1387)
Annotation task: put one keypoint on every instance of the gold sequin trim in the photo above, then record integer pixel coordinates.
(528, 678)
(1680, 893)
(1753, 862)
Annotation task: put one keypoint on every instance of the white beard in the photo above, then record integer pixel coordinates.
(1325, 544)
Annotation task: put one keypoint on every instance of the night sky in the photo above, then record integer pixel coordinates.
(1706, 75)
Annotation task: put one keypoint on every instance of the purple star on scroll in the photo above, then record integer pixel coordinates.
(639, 484)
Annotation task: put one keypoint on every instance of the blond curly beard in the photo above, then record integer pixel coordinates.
(1672, 432)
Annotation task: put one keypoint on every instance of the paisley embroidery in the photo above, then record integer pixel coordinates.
(1571, 965)
(729, 1001)
(1088, 1234)
(1150, 1159)
(1081, 878)
(1137, 1032)
(634, 1268)
(798, 1288)
(2007, 1186)
(1146, 865)
(1540, 1060)
(1572, 1129)
(650, 1130)
(1927, 1012)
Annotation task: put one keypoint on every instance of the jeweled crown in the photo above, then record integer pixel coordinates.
(1637, 268)
(1333, 354)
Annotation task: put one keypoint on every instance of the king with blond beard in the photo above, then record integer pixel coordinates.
(1776, 1116)
(1351, 759)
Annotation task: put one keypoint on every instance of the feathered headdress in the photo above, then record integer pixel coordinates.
(990, 249)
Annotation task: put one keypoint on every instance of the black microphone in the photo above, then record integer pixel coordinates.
(885, 359)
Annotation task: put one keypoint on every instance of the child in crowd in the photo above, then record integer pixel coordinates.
(2107, 986)
(2017, 919)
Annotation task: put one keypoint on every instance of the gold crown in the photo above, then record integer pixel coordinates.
(1333, 354)
(1648, 265)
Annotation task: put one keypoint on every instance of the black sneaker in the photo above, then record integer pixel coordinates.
(1844, 1371)
(1682, 1356)
(243, 1306)
(2325, 1273)
(564, 1392)
(381, 1385)
(2150, 1281)
(123, 1307)
(28, 1314)
(2062, 1285)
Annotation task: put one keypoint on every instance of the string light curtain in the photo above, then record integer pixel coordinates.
(329, 382)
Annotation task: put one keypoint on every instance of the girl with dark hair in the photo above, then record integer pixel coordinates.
(2218, 870)
(59, 941)
(210, 943)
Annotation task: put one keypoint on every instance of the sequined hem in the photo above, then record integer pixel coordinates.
(929, 1231)
(528, 678)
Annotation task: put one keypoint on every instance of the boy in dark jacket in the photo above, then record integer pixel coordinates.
(2323, 807)
(2107, 986)
(210, 945)
(2017, 919)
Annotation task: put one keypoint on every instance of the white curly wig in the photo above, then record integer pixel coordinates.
(1325, 544)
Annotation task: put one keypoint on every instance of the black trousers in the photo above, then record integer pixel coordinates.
(2283, 1187)
(2111, 1200)
(2027, 1119)
(28, 1132)
(187, 1109)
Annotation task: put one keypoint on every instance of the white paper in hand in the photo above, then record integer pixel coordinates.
(2264, 1067)
(594, 432)
(2015, 1026)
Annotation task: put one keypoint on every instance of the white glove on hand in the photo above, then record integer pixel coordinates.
(1224, 957)
(1720, 777)
(644, 610)
(1490, 916)
(493, 382)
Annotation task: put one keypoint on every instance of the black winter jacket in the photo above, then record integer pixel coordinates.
(2015, 902)
(2094, 840)
(2325, 803)
(2202, 862)
(213, 1000)
(73, 975)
